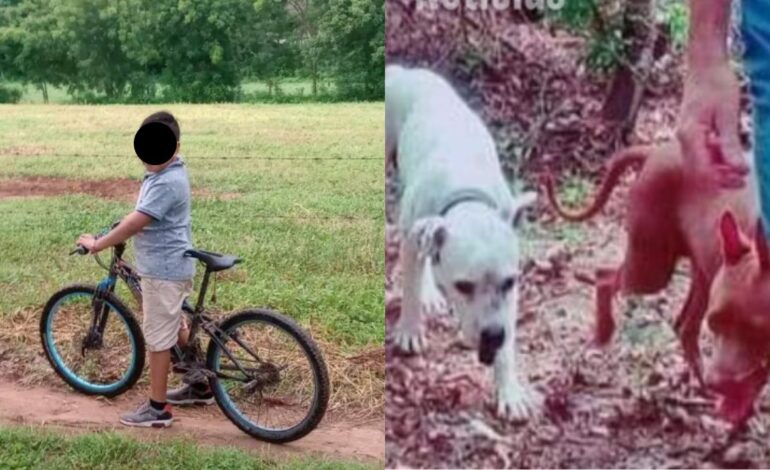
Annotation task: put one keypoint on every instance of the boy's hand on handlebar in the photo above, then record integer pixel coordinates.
(88, 241)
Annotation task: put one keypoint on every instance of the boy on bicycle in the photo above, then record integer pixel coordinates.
(162, 230)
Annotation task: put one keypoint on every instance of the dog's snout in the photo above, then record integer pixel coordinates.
(493, 336)
(714, 381)
(491, 340)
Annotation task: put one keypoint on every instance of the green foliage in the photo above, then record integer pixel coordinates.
(577, 14)
(10, 94)
(602, 30)
(601, 23)
(676, 16)
(307, 15)
(358, 70)
(605, 51)
(34, 45)
(191, 43)
(269, 55)
(102, 65)
(277, 96)
(142, 51)
(7, 53)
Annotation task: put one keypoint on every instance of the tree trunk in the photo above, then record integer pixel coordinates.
(314, 78)
(44, 88)
(627, 87)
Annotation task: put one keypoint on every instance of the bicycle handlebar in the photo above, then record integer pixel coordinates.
(80, 250)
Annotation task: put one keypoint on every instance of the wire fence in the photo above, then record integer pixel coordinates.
(295, 218)
(319, 217)
(200, 157)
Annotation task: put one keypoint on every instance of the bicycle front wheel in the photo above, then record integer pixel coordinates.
(271, 378)
(96, 357)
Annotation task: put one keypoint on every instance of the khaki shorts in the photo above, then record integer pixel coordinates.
(162, 307)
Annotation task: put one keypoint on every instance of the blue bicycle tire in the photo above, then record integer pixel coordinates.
(136, 364)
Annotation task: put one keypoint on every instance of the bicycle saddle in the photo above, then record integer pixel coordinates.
(214, 261)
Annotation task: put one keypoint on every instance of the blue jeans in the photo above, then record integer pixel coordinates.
(755, 29)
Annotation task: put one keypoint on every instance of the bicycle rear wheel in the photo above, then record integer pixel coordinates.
(272, 381)
(106, 364)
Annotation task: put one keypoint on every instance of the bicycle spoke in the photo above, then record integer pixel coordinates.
(279, 389)
(93, 363)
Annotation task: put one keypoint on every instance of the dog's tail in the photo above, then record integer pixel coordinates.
(616, 167)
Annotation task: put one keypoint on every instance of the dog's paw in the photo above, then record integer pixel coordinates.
(433, 303)
(517, 402)
(409, 340)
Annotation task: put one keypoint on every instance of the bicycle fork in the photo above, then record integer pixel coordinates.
(95, 337)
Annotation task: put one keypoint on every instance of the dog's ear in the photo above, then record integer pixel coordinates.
(733, 246)
(520, 203)
(429, 235)
(760, 242)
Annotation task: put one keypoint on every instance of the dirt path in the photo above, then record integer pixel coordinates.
(121, 189)
(30, 405)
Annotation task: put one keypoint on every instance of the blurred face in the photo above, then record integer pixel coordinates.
(157, 168)
(478, 276)
(739, 318)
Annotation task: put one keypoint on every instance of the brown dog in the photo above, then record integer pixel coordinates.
(673, 213)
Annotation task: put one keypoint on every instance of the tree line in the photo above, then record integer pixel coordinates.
(139, 51)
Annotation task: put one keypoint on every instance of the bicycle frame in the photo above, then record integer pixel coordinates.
(120, 269)
(117, 269)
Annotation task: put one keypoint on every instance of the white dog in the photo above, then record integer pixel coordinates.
(456, 219)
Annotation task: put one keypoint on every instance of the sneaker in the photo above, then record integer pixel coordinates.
(190, 395)
(148, 417)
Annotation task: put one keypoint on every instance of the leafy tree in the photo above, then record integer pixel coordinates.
(191, 50)
(353, 38)
(267, 46)
(192, 44)
(34, 45)
(92, 29)
(7, 43)
(307, 14)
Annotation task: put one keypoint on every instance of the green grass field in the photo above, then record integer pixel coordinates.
(29, 448)
(310, 231)
(58, 95)
(289, 86)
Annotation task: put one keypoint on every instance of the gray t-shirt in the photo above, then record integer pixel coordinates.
(160, 246)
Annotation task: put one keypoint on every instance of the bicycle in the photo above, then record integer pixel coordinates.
(94, 343)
